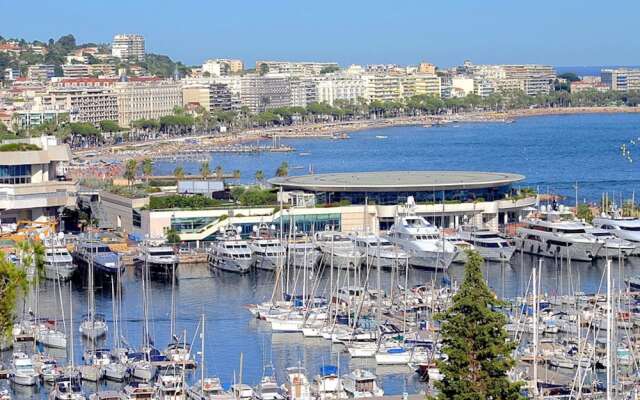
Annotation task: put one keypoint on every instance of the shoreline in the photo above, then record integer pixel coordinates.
(199, 143)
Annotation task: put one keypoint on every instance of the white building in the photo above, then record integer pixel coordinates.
(346, 87)
(146, 99)
(33, 183)
(128, 47)
(461, 86)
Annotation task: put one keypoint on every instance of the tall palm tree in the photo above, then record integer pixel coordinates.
(178, 172)
(130, 170)
(283, 169)
(219, 171)
(147, 168)
(259, 176)
(204, 170)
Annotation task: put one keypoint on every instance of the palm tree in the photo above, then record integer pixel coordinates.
(130, 170)
(259, 176)
(147, 168)
(236, 174)
(204, 170)
(219, 172)
(283, 169)
(178, 172)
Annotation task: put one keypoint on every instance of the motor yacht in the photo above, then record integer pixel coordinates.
(58, 263)
(461, 245)
(626, 228)
(338, 250)
(161, 260)
(613, 246)
(491, 245)
(426, 247)
(22, 371)
(230, 252)
(268, 252)
(98, 254)
(302, 252)
(556, 233)
(380, 252)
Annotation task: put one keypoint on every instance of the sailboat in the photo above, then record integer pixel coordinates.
(93, 325)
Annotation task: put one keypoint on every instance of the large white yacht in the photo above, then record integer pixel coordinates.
(490, 244)
(58, 263)
(230, 252)
(338, 250)
(380, 252)
(160, 259)
(426, 247)
(556, 233)
(302, 251)
(268, 252)
(626, 228)
(613, 247)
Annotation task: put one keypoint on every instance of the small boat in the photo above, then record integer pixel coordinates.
(209, 389)
(361, 383)
(328, 385)
(304, 154)
(139, 390)
(67, 387)
(268, 389)
(93, 326)
(297, 386)
(381, 137)
(171, 387)
(242, 391)
(49, 336)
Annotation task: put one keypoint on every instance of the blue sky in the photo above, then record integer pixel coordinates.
(405, 32)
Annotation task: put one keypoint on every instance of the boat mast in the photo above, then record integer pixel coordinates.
(609, 332)
(535, 330)
(202, 357)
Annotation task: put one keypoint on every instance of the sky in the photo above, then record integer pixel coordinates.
(560, 32)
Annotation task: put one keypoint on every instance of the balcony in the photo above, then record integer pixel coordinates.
(37, 195)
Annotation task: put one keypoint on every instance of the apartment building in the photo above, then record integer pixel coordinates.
(588, 85)
(148, 99)
(303, 91)
(383, 87)
(87, 70)
(222, 67)
(128, 47)
(211, 96)
(536, 78)
(261, 93)
(33, 184)
(621, 79)
(340, 87)
(83, 103)
(427, 68)
(293, 68)
(424, 84)
(40, 72)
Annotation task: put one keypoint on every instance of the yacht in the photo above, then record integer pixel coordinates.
(268, 389)
(161, 260)
(462, 247)
(380, 252)
(58, 263)
(209, 389)
(48, 335)
(230, 253)
(302, 252)
(100, 255)
(421, 240)
(267, 249)
(22, 371)
(338, 250)
(139, 390)
(93, 326)
(613, 246)
(242, 391)
(489, 244)
(556, 233)
(171, 387)
(361, 383)
(626, 228)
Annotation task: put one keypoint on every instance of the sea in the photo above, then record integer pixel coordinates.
(552, 152)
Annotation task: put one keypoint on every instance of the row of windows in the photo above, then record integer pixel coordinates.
(392, 198)
(15, 174)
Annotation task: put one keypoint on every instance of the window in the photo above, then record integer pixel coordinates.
(15, 174)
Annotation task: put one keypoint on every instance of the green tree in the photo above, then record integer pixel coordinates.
(329, 69)
(259, 176)
(283, 169)
(475, 340)
(172, 236)
(205, 171)
(178, 172)
(109, 126)
(147, 168)
(584, 212)
(13, 281)
(130, 169)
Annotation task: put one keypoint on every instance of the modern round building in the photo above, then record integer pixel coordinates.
(394, 187)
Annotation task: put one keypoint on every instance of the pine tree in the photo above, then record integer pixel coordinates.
(476, 343)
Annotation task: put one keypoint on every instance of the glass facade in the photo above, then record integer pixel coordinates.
(15, 174)
(191, 224)
(311, 222)
(393, 198)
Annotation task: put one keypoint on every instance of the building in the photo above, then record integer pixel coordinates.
(40, 72)
(75, 70)
(427, 68)
(294, 68)
(148, 99)
(11, 74)
(222, 67)
(537, 79)
(27, 119)
(587, 85)
(261, 93)
(128, 47)
(337, 201)
(345, 87)
(33, 184)
(383, 87)
(303, 91)
(621, 79)
(461, 86)
(83, 103)
(211, 96)
(425, 84)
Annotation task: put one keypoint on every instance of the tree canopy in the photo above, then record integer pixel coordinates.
(475, 340)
